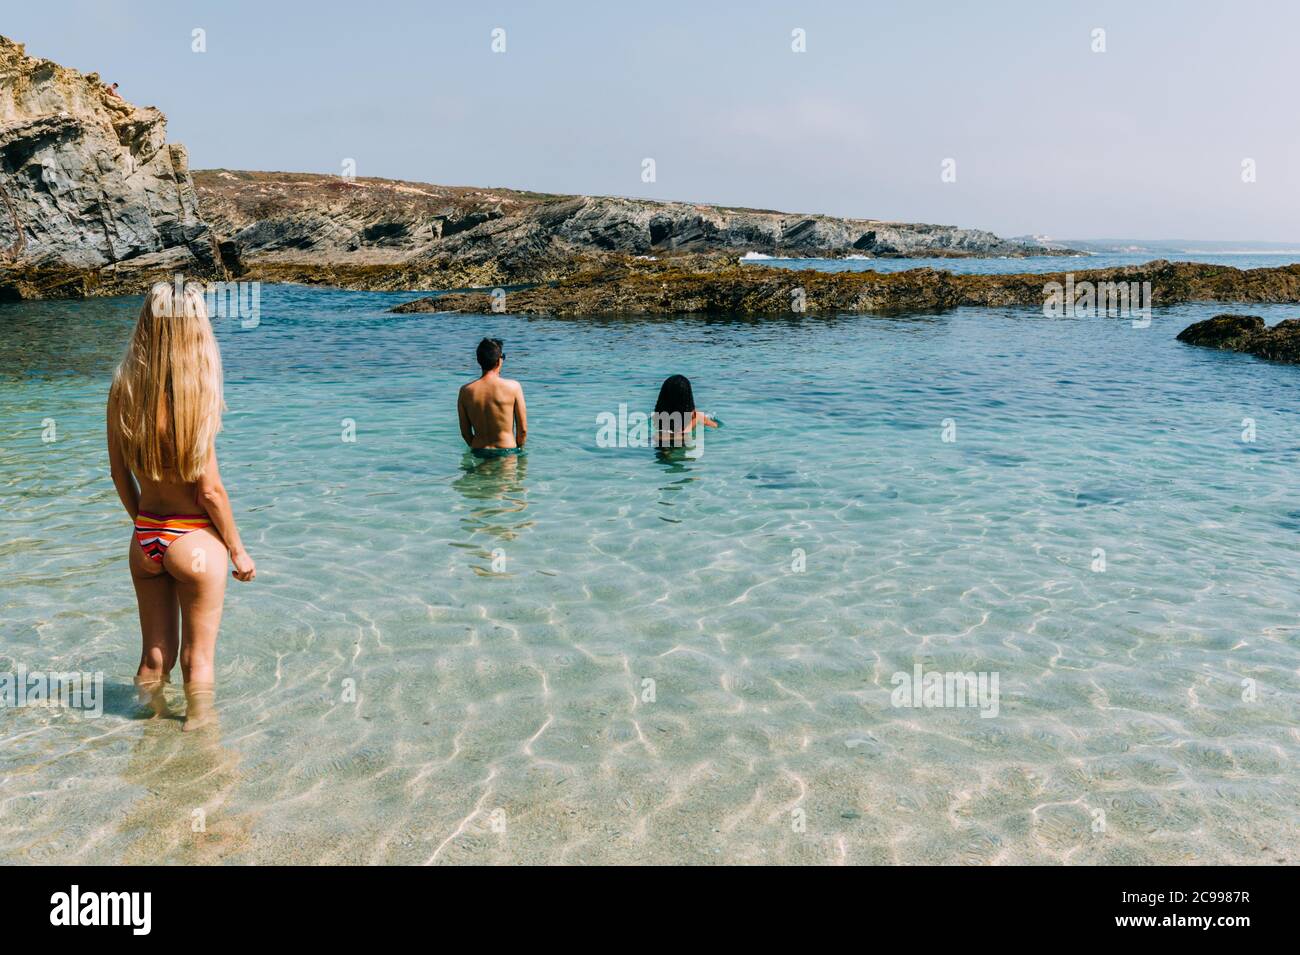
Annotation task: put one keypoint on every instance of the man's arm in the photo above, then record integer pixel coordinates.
(466, 429)
(521, 416)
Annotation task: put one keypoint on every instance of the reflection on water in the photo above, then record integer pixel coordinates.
(497, 495)
(676, 460)
(680, 465)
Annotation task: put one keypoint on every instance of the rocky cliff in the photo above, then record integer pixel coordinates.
(92, 198)
(384, 234)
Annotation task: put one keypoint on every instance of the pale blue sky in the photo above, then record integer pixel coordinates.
(1145, 140)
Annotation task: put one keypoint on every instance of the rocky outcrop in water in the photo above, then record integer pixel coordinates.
(1248, 334)
(93, 199)
(717, 285)
(384, 234)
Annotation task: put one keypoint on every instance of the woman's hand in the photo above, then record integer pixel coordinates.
(245, 569)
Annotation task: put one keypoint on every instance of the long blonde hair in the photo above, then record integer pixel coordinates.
(166, 393)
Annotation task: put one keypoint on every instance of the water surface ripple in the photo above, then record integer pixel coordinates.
(590, 655)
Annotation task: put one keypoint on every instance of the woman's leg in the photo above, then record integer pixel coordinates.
(197, 562)
(155, 593)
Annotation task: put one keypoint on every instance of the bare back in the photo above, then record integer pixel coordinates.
(171, 494)
(168, 496)
(492, 413)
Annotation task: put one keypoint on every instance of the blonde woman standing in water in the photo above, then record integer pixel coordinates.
(164, 412)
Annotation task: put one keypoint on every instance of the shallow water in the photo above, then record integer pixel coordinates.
(500, 619)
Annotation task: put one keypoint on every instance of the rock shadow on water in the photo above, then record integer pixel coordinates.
(998, 459)
(776, 478)
(1105, 497)
(1290, 521)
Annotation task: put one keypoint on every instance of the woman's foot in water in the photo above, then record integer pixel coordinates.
(150, 691)
(201, 710)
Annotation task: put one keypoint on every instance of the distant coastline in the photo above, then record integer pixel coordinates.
(150, 217)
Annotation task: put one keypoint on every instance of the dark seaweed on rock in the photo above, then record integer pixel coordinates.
(1248, 334)
(718, 285)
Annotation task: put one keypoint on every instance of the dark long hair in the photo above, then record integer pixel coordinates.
(675, 395)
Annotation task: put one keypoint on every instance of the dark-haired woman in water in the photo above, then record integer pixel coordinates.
(675, 416)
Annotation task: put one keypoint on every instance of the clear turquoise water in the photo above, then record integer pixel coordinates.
(519, 687)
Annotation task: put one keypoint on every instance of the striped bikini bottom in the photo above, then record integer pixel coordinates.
(156, 532)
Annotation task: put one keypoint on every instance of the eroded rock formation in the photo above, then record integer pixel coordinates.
(385, 234)
(93, 199)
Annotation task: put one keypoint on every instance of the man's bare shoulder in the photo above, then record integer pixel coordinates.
(512, 384)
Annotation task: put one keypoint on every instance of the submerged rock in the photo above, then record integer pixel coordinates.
(1223, 331)
(1248, 334)
(717, 285)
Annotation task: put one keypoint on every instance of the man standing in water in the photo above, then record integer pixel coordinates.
(493, 419)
